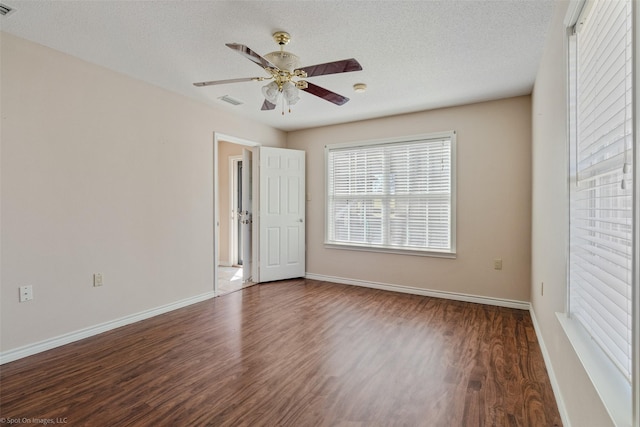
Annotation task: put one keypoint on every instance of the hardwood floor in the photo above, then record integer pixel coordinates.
(296, 353)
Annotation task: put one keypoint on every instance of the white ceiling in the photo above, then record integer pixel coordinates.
(416, 55)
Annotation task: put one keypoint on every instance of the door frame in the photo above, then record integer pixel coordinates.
(217, 137)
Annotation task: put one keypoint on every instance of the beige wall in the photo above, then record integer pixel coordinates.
(225, 151)
(550, 229)
(101, 173)
(493, 201)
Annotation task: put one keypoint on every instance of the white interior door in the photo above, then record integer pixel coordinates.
(247, 214)
(282, 214)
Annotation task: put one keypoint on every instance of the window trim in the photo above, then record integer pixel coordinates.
(620, 398)
(608, 381)
(451, 253)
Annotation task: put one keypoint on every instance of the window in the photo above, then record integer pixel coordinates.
(601, 182)
(393, 195)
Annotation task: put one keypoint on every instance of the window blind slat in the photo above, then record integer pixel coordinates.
(608, 275)
(598, 320)
(623, 236)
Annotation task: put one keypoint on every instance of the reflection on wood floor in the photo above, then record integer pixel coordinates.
(230, 280)
(296, 353)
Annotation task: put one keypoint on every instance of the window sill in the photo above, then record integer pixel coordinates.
(350, 247)
(610, 384)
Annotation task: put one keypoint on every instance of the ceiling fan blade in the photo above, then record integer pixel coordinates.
(222, 82)
(325, 94)
(344, 66)
(266, 105)
(250, 55)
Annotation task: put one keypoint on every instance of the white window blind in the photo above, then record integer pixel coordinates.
(601, 191)
(394, 195)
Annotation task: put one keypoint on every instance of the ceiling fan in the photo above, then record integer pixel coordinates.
(282, 68)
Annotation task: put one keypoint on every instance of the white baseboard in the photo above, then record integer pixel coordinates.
(552, 376)
(48, 344)
(501, 302)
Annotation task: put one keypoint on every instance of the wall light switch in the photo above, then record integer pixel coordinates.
(497, 264)
(26, 293)
(97, 279)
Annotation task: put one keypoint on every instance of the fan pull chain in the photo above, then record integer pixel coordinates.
(283, 102)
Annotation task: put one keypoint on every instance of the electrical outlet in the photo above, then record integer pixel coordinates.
(97, 280)
(497, 264)
(26, 293)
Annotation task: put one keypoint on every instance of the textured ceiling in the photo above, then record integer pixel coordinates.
(416, 55)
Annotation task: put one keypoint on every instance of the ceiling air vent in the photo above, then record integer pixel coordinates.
(230, 100)
(6, 10)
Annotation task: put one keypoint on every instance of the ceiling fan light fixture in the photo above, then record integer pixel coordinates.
(287, 76)
(271, 92)
(290, 93)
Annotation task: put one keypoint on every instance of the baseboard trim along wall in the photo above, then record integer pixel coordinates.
(552, 376)
(48, 344)
(522, 305)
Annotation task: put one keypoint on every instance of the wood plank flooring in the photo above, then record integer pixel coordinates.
(296, 353)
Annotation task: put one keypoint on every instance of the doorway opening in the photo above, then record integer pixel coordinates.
(273, 242)
(233, 267)
(231, 277)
